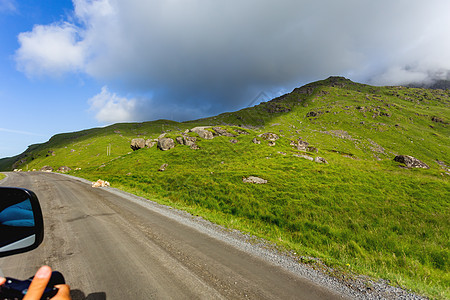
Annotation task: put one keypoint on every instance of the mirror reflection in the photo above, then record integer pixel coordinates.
(16, 224)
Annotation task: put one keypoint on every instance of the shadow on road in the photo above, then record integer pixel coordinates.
(79, 295)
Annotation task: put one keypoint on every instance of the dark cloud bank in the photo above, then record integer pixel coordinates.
(187, 59)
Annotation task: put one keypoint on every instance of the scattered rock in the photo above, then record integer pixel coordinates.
(163, 167)
(165, 144)
(410, 162)
(50, 152)
(253, 179)
(100, 183)
(319, 159)
(256, 141)
(282, 153)
(137, 144)
(300, 145)
(234, 141)
(304, 156)
(269, 136)
(312, 149)
(222, 132)
(150, 143)
(313, 114)
(47, 169)
(180, 140)
(271, 143)
(194, 147)
(203, 133)
(72, 150)
(64, 169)
(239, 131)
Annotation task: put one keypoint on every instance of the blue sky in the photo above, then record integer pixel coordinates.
(70, 65)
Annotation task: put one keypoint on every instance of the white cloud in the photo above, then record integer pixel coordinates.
(110, 108)
(224, 53)
(50, 50)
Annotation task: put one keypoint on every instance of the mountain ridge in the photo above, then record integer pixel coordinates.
(331, 191)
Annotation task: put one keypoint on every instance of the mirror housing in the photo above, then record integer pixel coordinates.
(21, 221)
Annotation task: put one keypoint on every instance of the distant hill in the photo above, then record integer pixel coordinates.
(437, 84)
(360, 212)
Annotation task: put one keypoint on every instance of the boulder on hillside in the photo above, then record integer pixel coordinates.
(163, 167)
(410, 162)
(254, 179)
(269, 136)
(203, 133)
(256, 141)
(150, 143)
(137, 144)
(165, 144)
(222, 132)
(47, 169)
(321, 160)
(300, 145)
(64, 169)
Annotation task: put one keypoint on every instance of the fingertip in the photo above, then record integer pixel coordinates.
(44, 272)
(2, 280)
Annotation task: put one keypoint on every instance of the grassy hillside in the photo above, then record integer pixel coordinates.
(360, 213)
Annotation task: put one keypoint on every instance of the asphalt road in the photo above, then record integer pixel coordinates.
(109, 247)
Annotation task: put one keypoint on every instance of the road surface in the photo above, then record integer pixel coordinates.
(109, 247)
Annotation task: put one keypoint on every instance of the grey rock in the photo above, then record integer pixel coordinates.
(222, 132)
(150, 143)
(304, 156)
(319, 159)
(163, 167)
(256, 141)
(203, 133)
(47, 169)
(254, 179)
(180, 140)
(269, 136)
(410, 162)
(234, 141)
(137, 144)
(64, 169)
(165, 144)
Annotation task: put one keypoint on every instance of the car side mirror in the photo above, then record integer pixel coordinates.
(21, 222)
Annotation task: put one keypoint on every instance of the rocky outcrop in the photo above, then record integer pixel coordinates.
(300, 145)
(269, 136)
(47, 169)
(219, 131)
(410, 162)
(256, 141)
(304, 156)
(254, 179)
(321, 160)
(64, 169)
(165, 144)
(203, 133)
(150, 143)
(137, 144)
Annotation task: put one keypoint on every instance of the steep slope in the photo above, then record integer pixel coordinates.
(362, 212)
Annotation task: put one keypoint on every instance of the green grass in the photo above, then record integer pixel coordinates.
(361, 213)
(2, 176)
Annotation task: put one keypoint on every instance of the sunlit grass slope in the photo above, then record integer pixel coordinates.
(359, 213)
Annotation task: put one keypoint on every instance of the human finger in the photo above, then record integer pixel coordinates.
(2, 280)
(39, 283)
(63, 292)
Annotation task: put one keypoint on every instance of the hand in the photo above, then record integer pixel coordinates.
(39, 283)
